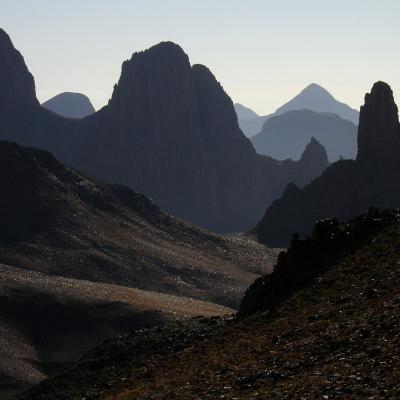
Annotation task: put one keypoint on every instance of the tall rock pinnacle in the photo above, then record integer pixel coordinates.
(379, 129)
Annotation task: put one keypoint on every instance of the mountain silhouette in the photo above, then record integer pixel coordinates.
(169, 131)
(349, 187)
(70, 105)
(315, 98)
(284, 136)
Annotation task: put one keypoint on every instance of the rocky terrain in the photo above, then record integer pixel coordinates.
(169, 131)
(82, 261)
(47, 322)
(59, 222)
(349, 187)
(334, 336)
(70, 105)
(284, 136)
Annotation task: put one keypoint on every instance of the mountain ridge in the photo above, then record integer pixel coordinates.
(160, 136)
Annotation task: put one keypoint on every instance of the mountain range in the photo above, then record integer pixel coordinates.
(283, 136)
(348, 187)
(169, 131)
(313, 97)
(70, 105)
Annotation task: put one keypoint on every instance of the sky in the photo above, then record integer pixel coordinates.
(262, 52)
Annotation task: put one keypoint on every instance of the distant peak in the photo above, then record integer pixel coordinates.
(315, 89)
(315, 152)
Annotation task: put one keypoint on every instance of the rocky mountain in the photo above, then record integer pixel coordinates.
(169, 131)
(332, 332)
(315, 98)
(284, 136)
(81, 261)
(349, 187)
(70, 105)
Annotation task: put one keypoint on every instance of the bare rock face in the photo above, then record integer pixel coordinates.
(347, 188)
(17, 87)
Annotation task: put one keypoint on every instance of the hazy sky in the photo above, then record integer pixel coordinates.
(263, 52)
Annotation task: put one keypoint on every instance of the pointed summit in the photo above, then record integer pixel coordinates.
(379, 129)
(315, 98)
(18, 87)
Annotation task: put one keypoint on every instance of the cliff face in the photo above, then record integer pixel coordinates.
(347, 188)
(17, 87)
(169, 131)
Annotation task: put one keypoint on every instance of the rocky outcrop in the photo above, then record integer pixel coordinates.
(347, 188)
(306, 259)
(70, 105)
(284, 136)
(169, 131)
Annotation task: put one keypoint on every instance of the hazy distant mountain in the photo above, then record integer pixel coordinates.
(347, 188)
(316, 98)
(70, 105)
(284, 136)
(169, 131)
(250, 122)
(243, 112)
(313, 97)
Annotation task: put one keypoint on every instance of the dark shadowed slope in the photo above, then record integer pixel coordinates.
(59, 222)
(347, 188)
(336, 337)
(284, 136)
(81, 261)
(316, 98)
(70, 105)
(169, 131)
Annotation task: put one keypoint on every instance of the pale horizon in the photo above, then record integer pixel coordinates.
(263, 53)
